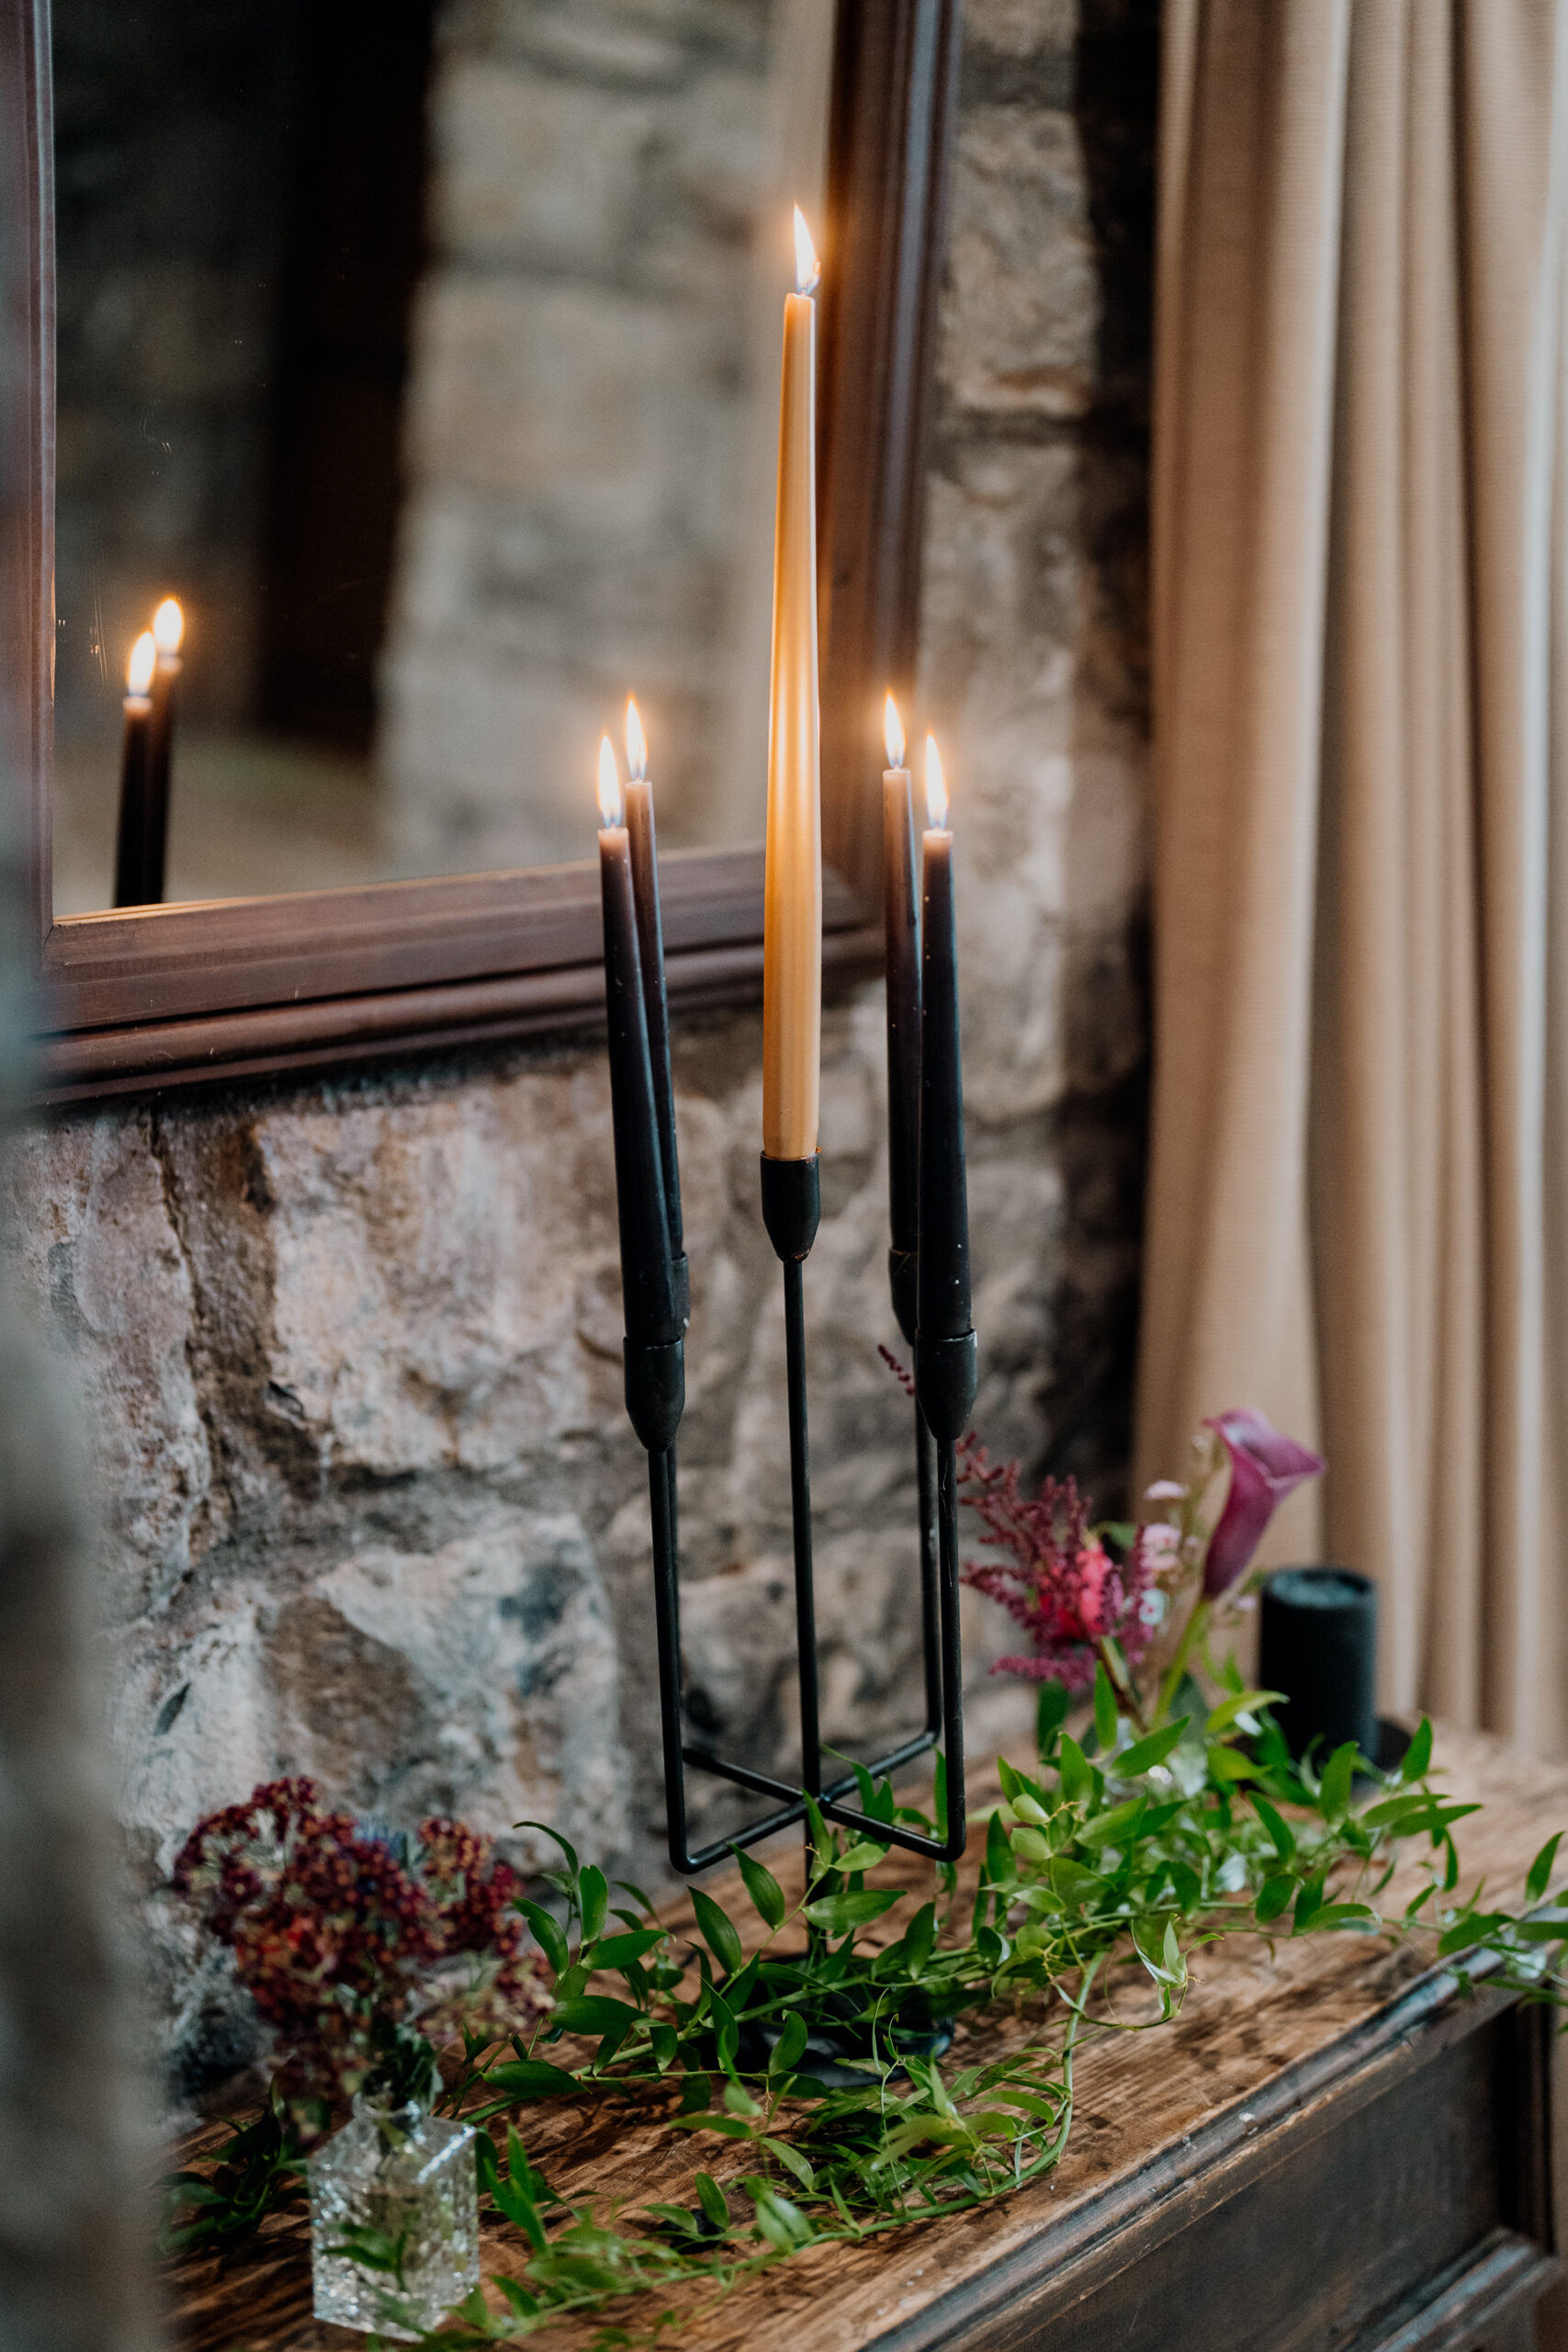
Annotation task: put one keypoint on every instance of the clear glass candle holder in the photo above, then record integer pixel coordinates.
(394, 2219)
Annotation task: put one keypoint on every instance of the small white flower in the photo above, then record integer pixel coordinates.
(1164, 1490)
(1233, 1874)
(1151, 1608)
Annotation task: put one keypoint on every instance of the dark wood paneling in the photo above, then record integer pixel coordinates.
(143, 997)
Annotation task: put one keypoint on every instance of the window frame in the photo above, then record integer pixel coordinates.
(145, 999)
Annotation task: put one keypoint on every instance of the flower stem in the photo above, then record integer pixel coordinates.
(1194, 1630)
(1121, 1681)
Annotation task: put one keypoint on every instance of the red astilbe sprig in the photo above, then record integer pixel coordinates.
(343, 1940)
(1060, 1583)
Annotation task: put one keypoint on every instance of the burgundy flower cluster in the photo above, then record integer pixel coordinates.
(1060, 1583)
(341, 1939)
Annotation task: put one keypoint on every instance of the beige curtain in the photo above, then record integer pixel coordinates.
(1358, 1216)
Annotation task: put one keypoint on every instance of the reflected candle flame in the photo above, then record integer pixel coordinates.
(169, 625)
(142, 662)
(609, 806)
(807, 268)
(936, 788)
(892, 733)
(636, 744)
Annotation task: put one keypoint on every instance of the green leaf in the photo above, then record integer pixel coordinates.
(1240, 1703)
(731, 2127)
(1049, 1714)
(625, 1950)
(1275, 1825)
(593, 2013)
(920, 1940)
(718, 1931)
(999, 1868)
(1417, 1757)
(1539, 1877)
(556, 1839)
(791, 2159)
(547, 1935)
(1104, 1708)
(1273, 1896)
(863, 1855)
(834, 1913)
(710, 2197)
(533, 2077)
(1334, 1791)
(593, 1896)
(1106, 1828)
(1152, 1749)
(790, 2047)
(1228, 1764)
(1078, 1777)
(764, 1889)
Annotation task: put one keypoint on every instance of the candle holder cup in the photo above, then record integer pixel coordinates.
(654, 1388)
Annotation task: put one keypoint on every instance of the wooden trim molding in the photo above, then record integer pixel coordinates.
(158, 997)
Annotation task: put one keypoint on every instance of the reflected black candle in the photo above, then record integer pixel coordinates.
(944, 1307)
(134, 883)
(648, 1284)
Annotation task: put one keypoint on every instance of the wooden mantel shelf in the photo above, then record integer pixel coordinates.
(1330, 2151)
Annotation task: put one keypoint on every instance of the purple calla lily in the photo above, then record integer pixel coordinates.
(1265, 1467)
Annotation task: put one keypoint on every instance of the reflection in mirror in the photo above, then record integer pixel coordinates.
(429, 355)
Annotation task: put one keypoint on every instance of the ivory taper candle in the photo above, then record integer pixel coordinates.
(792, 922)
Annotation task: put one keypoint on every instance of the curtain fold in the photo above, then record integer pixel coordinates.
(1358, 1217)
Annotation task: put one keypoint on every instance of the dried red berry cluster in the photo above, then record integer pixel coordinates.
(1061, 1584)
(340, 1942)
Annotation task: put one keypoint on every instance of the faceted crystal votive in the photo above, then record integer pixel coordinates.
(394, 2219)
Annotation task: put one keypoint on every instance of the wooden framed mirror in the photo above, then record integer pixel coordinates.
(224, 987)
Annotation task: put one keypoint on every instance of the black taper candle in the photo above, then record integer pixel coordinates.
(648, 1284)
(902, 928)
(656, 1003)
(1317, 1643)
(944, 1306)
(168, 631)
(134, 883)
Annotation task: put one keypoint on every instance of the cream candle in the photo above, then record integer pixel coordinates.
(792, 924)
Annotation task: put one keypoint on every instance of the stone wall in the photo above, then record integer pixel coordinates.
(349, 1350)
(592, 426)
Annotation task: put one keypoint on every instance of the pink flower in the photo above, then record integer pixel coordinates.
(1055, 1580)
(1265, 1467)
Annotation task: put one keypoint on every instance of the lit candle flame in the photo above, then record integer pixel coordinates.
(807, 268)
(936, 788)
(142, 662)
(892, 733)
(610, 807)
(168, 626)
(637, 742)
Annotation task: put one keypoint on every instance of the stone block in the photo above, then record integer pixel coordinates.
(1017, 339)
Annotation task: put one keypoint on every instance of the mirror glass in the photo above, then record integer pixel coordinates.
(428, 355)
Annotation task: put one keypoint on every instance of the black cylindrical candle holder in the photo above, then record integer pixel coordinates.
(1318, 1645)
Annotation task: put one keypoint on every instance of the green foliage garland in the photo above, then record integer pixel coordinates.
(808, 2078)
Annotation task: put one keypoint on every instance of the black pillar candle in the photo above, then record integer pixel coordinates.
(134, 882)
(1318, 1644)
(944, 1310)
(648, 1279)
(902, 926)
(656, 1003)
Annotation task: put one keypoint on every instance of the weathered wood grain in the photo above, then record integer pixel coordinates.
(1217, 2129)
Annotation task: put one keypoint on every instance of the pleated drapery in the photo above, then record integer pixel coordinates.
(1358, 1211)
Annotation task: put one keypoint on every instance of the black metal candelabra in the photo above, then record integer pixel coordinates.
(944, 1393)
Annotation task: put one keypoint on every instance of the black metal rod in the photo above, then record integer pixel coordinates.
(951, 1645)
(800, 1512)
(930, 1572)
(667, 1619)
